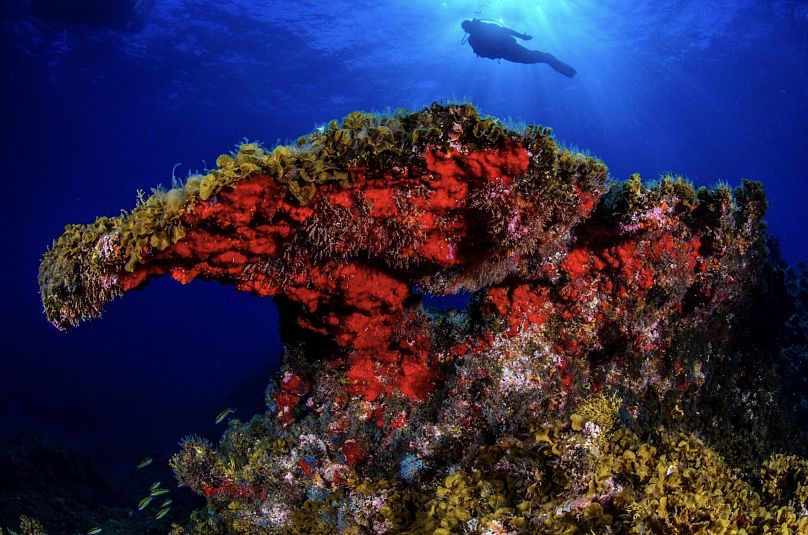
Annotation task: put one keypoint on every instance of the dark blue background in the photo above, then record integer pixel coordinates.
(91, 112)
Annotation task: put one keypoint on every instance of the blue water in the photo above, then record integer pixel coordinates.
(97, 105)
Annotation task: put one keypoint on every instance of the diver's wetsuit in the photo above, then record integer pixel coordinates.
(497, 42)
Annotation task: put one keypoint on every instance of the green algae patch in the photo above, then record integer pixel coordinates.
(81, 271)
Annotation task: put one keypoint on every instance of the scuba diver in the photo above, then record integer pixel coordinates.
(497, 42)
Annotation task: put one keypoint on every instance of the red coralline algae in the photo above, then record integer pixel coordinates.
(291, 389)
(493, 166)
(353, 452)
(522, 307)
(230, 491)
(462, 217)
(241, 227)
(578, 263)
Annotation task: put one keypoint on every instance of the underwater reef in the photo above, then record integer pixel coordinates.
(631, 357)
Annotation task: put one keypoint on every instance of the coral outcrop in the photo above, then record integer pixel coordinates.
(610, 330)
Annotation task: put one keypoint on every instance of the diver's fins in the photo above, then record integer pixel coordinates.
(537, 56)
(559, 66)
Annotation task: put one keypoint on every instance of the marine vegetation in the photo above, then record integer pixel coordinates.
(28, 526)
(611, 372)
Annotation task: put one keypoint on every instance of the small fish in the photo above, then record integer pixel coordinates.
(222, 415)
(93, 531)
(144, 502)
(145, 462)
(154, 485)
(166, 503)
(158, 492)
(162, 512)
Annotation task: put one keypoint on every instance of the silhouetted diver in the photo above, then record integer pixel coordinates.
(497, 42)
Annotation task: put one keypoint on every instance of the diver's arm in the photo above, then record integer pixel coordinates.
(523, 36)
